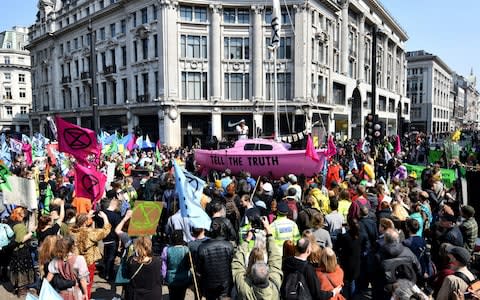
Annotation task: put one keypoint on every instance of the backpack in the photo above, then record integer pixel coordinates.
(473, 285)
(398, 268)
(425, 259)
(296, 287)
(6, 235)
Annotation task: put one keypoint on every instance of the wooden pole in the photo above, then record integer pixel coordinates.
(255, 189)
(194, 276)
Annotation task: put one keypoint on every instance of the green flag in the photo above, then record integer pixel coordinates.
(4, 175)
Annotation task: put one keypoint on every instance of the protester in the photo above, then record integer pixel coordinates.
(20, 268)
(261, 280)
(144, 271)
(69, 266)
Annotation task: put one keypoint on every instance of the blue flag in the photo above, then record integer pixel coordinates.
(189, 189)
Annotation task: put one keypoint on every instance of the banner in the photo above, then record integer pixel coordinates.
(110, 174)
(434, 155)
(145, 218)
(78, 141)
(190, 189)
(89, 183)
(22, 193)
(448, 175)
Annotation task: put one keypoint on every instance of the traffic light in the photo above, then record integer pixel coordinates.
(369, 127)
(378, 131)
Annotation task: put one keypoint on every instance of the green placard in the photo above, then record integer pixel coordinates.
(448, 175)
(145, 217)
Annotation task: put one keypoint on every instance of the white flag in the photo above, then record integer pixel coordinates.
(276, 24)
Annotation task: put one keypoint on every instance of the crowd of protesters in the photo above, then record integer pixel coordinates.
(365, 229)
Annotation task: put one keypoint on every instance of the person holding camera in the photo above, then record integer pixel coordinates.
(259, 280)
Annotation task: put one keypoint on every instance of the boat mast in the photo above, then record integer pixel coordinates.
(275, 43)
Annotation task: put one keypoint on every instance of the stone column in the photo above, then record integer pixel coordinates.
(168, 48)
(344, 38)
(78, 121)
(55, 97)
(385, 63)
(394, 68)
(361, 49)
(215, 54)
(257, 53)
(300, 52)
(217, 124)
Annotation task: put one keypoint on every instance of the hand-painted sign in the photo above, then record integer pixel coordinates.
(22, 193)
(145, 218)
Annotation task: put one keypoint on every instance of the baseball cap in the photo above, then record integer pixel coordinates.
(461, 254)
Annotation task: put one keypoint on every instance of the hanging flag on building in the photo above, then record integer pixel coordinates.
(276, 24)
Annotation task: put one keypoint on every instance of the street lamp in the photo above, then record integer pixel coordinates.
(93, 71)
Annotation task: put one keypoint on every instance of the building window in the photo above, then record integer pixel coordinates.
(23, 93)
(391, 105)
(193, 14)
(7, 60)
(114, 92)
(186, 13)
(102, 34)
(155, 13)
(8, 76)
(236, 86)
(238, 16)
(157, 84)
(123, 26)
(8, 93)
(285, 18)
(194, 85)
(23, 110)
(284, 51)
(9, 110)
(155, 45)
(125, 90)
(112, 30)
(193, 46)
(124, 56)
(102, 4)
(284, 86)
(236, 48)
(104, 93)
(144, 15)
(135, 51)
(382, 103)
(75, 43)
(134, 19)
(21, 78)
(243, 16)
(145, 48)
(339, 93)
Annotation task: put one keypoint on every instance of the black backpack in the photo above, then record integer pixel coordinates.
(398, 268)
(295, 286)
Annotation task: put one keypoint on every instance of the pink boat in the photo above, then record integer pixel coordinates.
(260, 157)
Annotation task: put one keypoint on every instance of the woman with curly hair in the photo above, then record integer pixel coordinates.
(69, 266)
(21, 271)
(87, 239)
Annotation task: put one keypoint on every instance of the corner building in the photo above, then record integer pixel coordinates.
(187, 68)
(15, 83)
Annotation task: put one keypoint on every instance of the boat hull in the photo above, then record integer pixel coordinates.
(260, 163)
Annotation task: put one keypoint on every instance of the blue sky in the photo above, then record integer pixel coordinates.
(449, 29)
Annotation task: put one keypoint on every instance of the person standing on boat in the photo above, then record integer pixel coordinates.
(242, 130)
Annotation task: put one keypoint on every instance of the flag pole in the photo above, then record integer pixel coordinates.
(275, 95)
(194, 275)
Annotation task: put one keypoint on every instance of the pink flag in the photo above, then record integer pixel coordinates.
(398, 146)
(78, 141)
(131, 143)
(331, 148)
(27, 151)
(89, 183)
(310, 151)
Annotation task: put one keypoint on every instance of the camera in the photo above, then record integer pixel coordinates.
(257, 223)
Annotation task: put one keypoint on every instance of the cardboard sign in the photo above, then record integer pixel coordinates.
(22, 194)
(145, 217)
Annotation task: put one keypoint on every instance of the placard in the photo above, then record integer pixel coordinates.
(145, 217)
